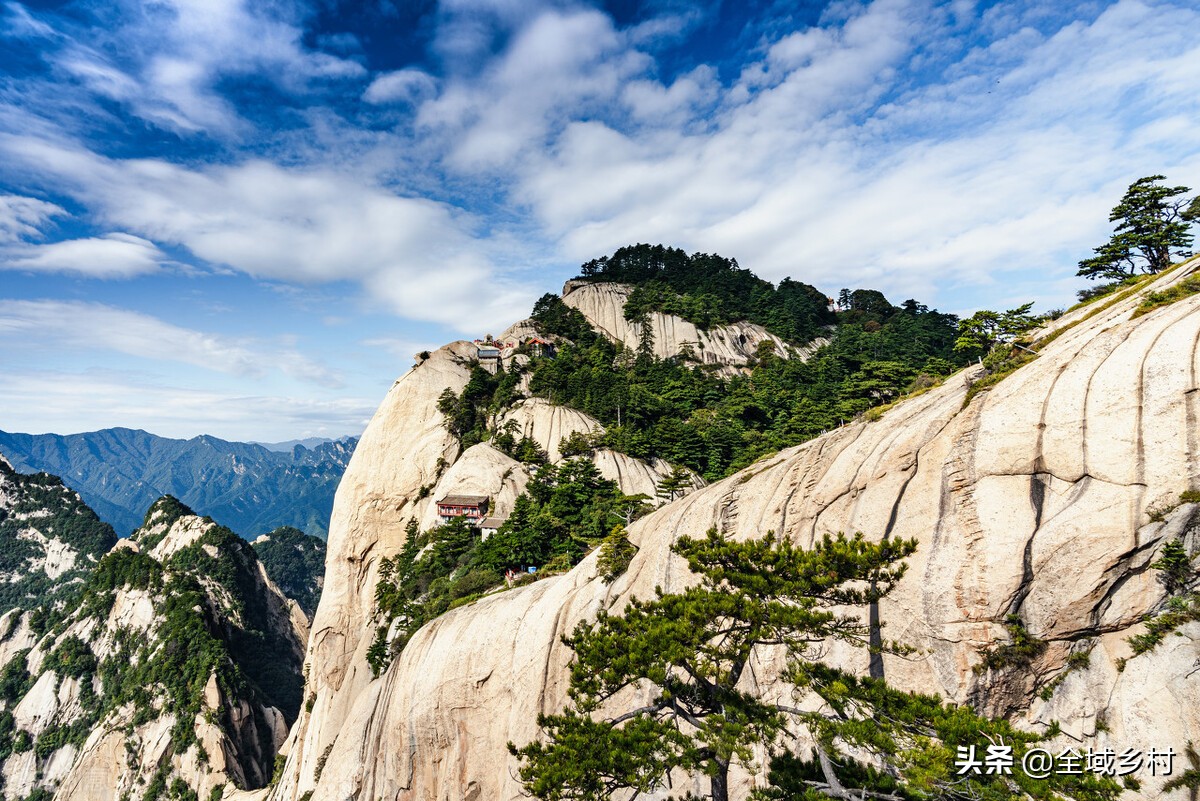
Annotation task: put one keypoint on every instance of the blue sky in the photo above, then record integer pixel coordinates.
(243, 218)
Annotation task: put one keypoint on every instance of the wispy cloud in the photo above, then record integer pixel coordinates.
(406, 86)
(415, 255)
(165, 61)
(828, 159)
(560, 66)
(23, 217)
(97, 327)
(54, 400)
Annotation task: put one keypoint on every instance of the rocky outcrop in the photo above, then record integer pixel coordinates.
(407, 442)
(1033, 500)
(727, 347)
(49, 538)
(637, 476)
(547, 424)
(113, 701)
(481, 470)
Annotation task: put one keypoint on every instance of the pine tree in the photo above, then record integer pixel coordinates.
(674, 484)
(1176, 566)
(686, 653)
(1152, 226)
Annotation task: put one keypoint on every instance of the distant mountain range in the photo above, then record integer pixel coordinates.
(250, 487)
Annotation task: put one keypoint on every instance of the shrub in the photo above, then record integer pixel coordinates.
(1020, 651)
(1153, 300)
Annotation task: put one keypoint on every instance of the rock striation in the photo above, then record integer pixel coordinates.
(1045, 498)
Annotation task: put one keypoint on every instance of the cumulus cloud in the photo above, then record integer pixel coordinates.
(98, 327)
(826, 160)
(110, 256)
(905, 144)
(558, 66)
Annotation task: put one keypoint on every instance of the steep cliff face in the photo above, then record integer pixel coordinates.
(177, 669)
(728, 347)
(49, 538)
(1034, 499)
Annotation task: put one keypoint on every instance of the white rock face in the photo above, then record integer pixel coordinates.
(408, 443)
(481, 470)
(15, 634)
(635, 476)
(548, 425)
(728, 346)
(59, 556)
(1031, 500)
(181, 534)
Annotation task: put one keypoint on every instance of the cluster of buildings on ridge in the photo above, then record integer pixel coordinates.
(489, 351)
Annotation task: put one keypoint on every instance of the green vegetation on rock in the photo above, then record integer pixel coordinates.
(686, 653)
(296, 562)
(214, 620)
(710, 290)
(565, 510)
(1153, 300)
(715, 425)
(42, 504)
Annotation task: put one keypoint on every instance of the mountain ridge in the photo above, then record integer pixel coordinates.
(172, 671)
(251, 488)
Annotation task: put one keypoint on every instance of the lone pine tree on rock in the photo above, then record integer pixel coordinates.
(1152, 226)
(683, 656)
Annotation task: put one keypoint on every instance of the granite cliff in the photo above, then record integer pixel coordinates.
(1043, 499)
(728, 347)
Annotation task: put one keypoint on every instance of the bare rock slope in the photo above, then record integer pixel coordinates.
(1033, 499)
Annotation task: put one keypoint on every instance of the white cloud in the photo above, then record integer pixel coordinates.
(66, 402)
(679, 103)
(558, 66)
(165, 60)
(825, 161)
(23, 217)
(417, 256)
(401, 348)
(109, 256)
(81, 326)
(405, 86)
(20, 23)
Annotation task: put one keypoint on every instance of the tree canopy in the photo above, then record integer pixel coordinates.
(708, 289)
(986, 329)
(1153, 224)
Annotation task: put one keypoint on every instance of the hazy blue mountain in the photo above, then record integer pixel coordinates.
(308, 442)
(120, 472)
